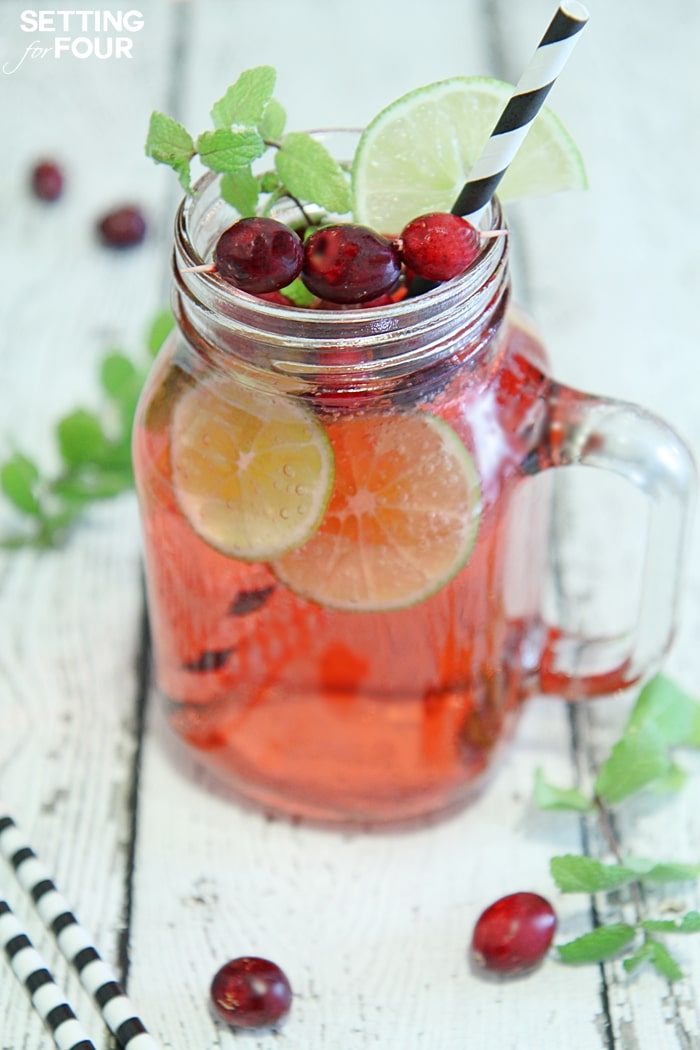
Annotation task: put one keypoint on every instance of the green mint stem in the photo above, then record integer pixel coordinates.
(610, 837)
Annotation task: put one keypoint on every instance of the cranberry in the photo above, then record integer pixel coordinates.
(251, 993)
(349, 264)
(258, 255)
(47, 180)
(122, 227)
(439, 246)
(514, 933)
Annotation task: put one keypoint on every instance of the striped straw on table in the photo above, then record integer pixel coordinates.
(74, 943)
(47, 998)
(521, 109)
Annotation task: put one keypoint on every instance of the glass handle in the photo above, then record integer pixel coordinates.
(616, 436)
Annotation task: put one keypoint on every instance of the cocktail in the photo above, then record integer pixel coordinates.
(345, 556)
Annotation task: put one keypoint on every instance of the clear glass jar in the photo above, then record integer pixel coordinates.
(345, 554)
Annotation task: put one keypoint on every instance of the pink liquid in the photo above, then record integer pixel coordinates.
(330, 714)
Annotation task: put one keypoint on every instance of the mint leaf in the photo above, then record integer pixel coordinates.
(547, 796)
(643, 954)
(669, 710)
(598, 945)
(310, 173)
(269, 182)
(671, 781)
(690, 923)
(273, 122)
(662, 871)
(637, 759)
(55, 526)
(228, 150)
(168, 142)
(240, 189)
(663, 961)
(574, 874)
(160, 328)
(658, 955)
(80, 438)
(98, 484)
(245, 101)
(18, 479)
(118, 374)
(298, 293)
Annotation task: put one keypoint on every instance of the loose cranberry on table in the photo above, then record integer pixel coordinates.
(258, 255)
(439, 246)
(47, 180)
(514, 933)
(251, 993)
(344, 263)
(122, 227)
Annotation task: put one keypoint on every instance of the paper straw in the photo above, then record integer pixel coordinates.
(521, 109)
(95, 975)
(47, 998)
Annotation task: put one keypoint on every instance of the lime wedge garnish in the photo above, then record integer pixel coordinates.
(251, 473)
(402, 520)
(416, 155)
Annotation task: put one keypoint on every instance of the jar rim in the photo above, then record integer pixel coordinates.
(191, 256)
(407, 334)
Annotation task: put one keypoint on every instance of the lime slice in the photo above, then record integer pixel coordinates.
(416, 155)
(402, 520)
(252, 473)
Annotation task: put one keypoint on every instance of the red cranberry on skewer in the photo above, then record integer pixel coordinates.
(439, 246)
(258, 255)
(345, 263)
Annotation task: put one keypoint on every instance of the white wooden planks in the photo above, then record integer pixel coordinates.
(372, 929)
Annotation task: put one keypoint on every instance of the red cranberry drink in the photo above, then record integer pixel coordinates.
(345, 554)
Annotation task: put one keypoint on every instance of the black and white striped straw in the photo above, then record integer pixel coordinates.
(47, 998)
(521, 109)
(74, 943)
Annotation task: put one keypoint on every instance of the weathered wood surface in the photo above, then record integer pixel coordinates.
(371, 928)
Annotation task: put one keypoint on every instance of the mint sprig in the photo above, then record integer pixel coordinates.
(248, 122)
(246, 101)
(169, 143)
(94, 449)
(663, 718)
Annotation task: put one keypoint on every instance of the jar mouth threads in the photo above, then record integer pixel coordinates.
(395, 339)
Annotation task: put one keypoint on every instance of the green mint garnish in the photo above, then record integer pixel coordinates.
(273, 121)
(169, 143)
(639, 758)
(241, 190)
(311, 174)
(664, 717)
(245, 101)
(661, 871)
(690, 923)
(671, 712)
(298, 293)
(248, 121)
(20, 479)
(598, 945)
(657, 954)
(227, 150)
(574, 874)
(95, 451)
(159, 329)
(547, 796)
